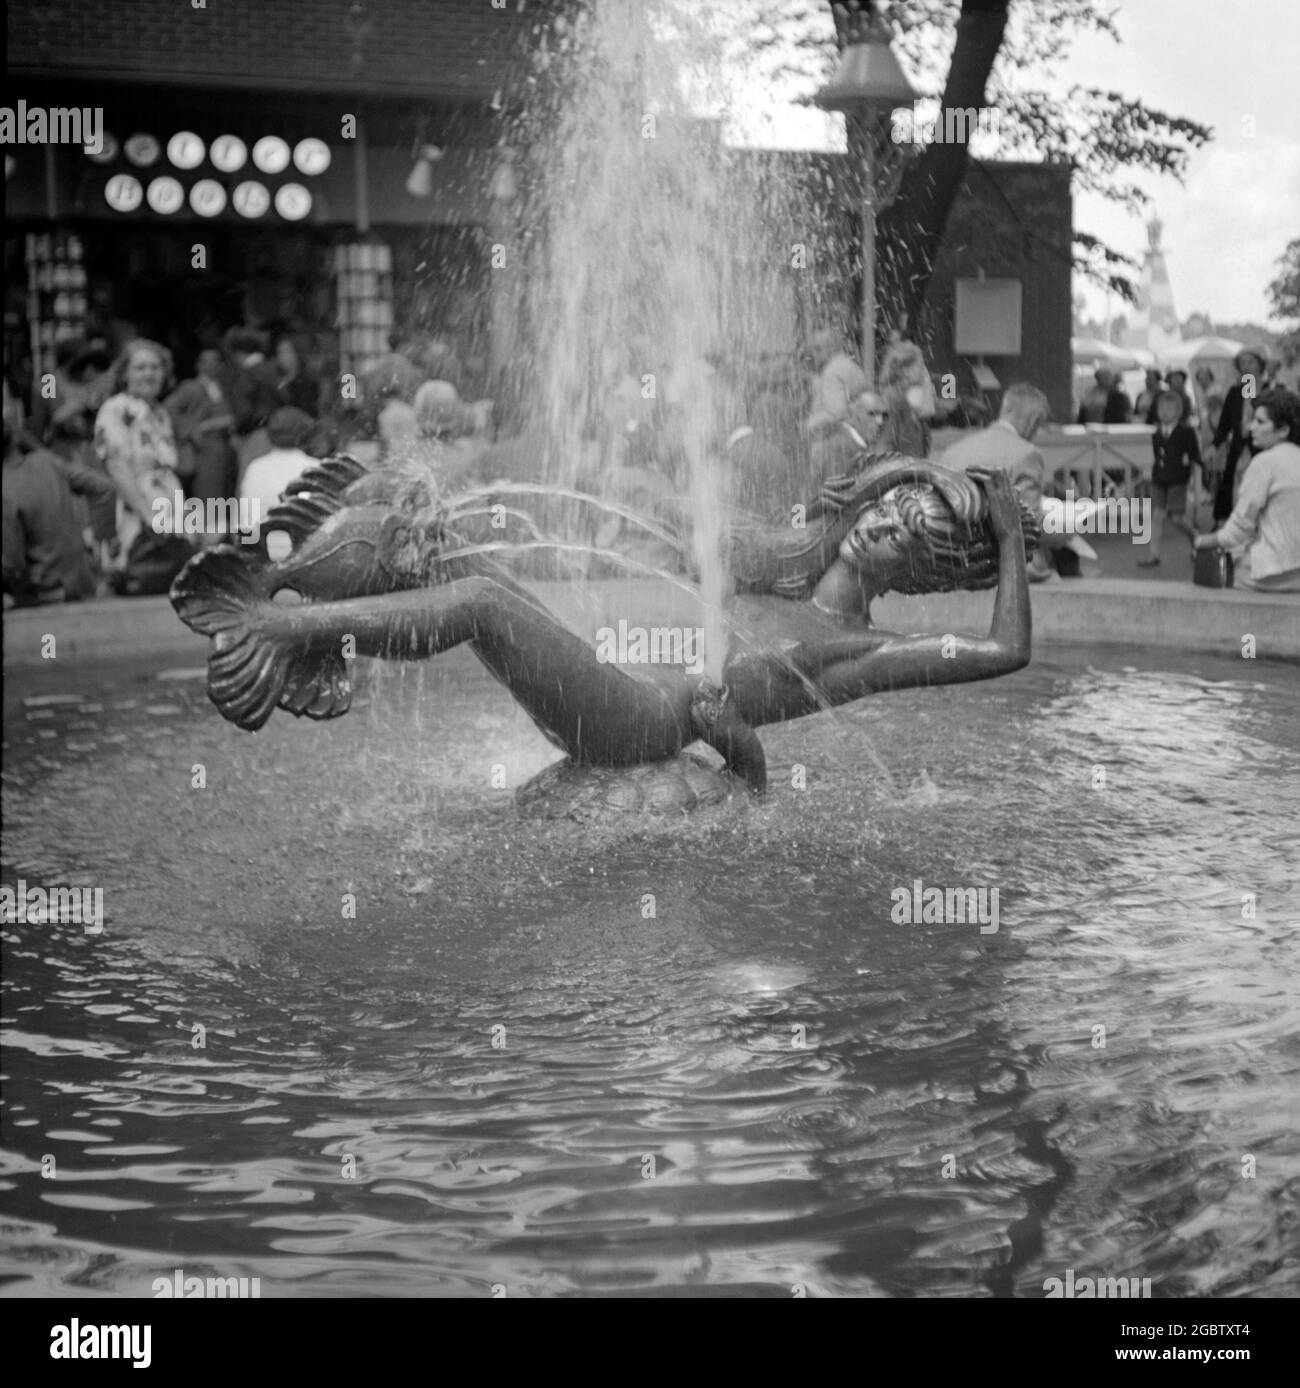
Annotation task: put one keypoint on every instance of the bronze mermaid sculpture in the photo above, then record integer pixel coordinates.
(383, 570)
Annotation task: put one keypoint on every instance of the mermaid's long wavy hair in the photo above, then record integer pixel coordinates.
(952, 553)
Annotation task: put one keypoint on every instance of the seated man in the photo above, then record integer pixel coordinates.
(845, 450)
(44, 555)
(1008, 445)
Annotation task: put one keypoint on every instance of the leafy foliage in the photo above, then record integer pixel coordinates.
(1284, 299)
(1102, 134)
(1284, 292)
(1108, 267)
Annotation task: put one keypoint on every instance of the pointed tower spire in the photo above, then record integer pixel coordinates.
(1155, 324)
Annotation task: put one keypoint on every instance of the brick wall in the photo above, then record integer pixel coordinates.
(460, 49)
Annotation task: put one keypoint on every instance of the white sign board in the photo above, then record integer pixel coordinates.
(987, 318)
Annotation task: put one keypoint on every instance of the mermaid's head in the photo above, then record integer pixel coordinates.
(911, 540)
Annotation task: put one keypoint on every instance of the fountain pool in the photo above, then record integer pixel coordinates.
(506, 1072)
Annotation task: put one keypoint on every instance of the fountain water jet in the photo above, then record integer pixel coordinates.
(657, 269)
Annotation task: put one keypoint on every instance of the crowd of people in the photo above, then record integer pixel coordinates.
(1204, 433)
(108, 440)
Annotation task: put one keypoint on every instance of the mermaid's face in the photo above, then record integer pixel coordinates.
(880, 541)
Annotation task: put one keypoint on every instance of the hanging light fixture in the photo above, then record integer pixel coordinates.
(867, 75)
(419, 182)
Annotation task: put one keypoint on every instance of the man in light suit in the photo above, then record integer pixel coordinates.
(1008, 443)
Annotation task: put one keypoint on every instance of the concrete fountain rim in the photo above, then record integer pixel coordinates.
(1096, 611)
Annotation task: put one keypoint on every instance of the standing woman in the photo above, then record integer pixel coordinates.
(296, 386)
(909, 395)
(134, 440)
(1234, 425)
(1263, 531)
(202, 420)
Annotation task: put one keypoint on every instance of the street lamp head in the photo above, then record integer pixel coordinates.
(868, 75)
(419, 182)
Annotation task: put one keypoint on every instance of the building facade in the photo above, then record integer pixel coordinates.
(332, 170)
(339, 170)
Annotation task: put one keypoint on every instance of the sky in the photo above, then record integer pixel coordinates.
(1233, 67)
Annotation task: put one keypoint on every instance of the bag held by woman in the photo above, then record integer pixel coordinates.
(1212, 568)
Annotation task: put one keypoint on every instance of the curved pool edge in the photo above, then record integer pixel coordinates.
(1107, 612)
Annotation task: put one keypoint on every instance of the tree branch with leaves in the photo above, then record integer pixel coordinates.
(997, 55)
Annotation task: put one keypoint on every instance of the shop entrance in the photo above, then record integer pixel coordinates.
(146, 280)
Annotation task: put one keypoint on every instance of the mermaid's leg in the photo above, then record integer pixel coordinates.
(265, 654)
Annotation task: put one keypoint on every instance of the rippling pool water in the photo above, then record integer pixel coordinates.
(505, 1072)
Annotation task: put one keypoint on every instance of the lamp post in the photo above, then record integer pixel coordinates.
(867, 87)
(506, 295)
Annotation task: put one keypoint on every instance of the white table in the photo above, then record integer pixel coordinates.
(1084, 457)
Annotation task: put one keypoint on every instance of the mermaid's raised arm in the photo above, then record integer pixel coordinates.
(900, 662)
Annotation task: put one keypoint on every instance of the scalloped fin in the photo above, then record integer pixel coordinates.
(250, 672)
(312, 498)
(332, 475)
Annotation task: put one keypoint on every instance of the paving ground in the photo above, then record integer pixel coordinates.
(1118, 558)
